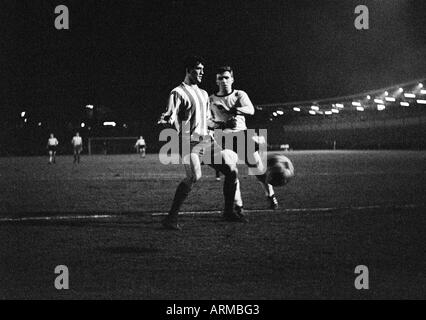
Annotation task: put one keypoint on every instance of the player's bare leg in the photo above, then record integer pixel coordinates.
(230, 186)
(193, 174)
(262, 178)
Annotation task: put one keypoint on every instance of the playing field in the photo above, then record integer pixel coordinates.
(101, 220)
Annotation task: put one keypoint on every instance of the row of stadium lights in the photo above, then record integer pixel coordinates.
(82, 125)
(106, 123)
(380, 102)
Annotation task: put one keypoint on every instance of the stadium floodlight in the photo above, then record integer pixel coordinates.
(89, 106)
(328, 113)
(335, 110)
(356, 104)
(316, 108)
(296, 109)
(340, 105)
(110, 123)
(420, 85)
(400, 90)
(82, 124)
(23, 113)
(391, 99)
(368, 97)
(381, 107)
(360, 108)
(404, 104)
(421, 101)
(409, 95)
(312, 112)
(386, 93)
(422, 91)
(39, 124)
(25, 120)
(274, 113)
(280, 112)
(378, 101)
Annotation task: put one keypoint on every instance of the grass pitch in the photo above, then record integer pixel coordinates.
(101, 220)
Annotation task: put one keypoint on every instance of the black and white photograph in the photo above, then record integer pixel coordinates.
(212, 155)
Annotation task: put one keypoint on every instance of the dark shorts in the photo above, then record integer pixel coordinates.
(52, 148)
(78, 149)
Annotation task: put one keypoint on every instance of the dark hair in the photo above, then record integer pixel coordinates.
(224, 69)
(190, 62)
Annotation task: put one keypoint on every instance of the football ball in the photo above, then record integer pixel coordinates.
(280, 170)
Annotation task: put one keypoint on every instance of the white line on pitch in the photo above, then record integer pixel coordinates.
(117, 215)
(58, 218)
(299, 209)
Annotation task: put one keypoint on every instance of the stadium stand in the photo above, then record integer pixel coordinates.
(358, 123)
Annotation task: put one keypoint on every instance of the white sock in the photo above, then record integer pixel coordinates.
(238, 201)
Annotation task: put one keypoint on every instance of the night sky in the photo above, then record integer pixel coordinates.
(126, 55)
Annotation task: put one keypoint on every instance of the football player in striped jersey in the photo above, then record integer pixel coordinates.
(188, 110)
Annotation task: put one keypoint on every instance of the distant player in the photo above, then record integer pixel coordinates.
(230, 105)
(188, 110)
(77, 143)
(140, 146)
(52, 144)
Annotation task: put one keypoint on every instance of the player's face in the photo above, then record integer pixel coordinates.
(196, 74)
(225, 81)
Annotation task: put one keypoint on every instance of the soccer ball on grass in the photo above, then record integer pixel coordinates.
(280, 170)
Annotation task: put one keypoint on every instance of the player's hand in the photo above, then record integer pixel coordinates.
(233, 111)
(231, 123)
(164, 120)
(218, 125)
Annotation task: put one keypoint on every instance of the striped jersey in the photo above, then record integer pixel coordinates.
(188, 110)
(237, 104)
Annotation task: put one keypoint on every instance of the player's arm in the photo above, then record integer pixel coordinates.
(243, 105)
(169, 117)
